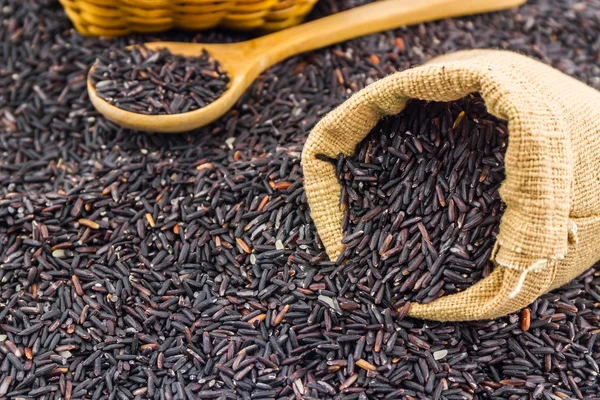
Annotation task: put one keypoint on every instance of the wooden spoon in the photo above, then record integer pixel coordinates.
(244, 61)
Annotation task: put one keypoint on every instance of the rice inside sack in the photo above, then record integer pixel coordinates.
(421, 203)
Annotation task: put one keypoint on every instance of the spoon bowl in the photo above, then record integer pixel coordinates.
(240, 75)
(244, 61)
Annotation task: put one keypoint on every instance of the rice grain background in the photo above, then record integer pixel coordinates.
(137, 266)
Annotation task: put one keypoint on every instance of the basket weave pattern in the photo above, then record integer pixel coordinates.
(121, 17)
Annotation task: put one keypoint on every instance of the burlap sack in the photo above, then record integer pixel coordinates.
(550, 230)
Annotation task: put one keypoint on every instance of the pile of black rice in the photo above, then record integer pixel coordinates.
(172, 267)
(422, 202)
(156, 82)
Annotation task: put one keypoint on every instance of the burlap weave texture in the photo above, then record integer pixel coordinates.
(550, 231)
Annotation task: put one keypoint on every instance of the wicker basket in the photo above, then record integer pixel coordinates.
(120, 17)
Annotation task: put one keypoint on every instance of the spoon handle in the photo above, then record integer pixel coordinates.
(371, 18)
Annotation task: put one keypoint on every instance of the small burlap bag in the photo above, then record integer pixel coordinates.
(550, 231)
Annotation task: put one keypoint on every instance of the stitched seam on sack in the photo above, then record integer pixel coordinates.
(511, 110)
